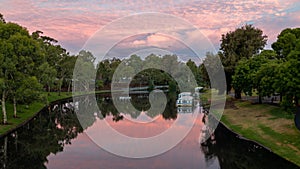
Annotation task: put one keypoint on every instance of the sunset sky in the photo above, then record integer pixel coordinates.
(73, 22)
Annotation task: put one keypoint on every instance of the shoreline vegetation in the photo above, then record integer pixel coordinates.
(27, 112)
(32, 64)
(265, 124)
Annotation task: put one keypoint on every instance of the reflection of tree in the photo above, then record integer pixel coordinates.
(107, 108)
(140, 102)
(49, 132)
(209, 153)
(85, 109)
(170, 110)
(233, 152)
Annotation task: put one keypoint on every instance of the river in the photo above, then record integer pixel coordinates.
(55, 139)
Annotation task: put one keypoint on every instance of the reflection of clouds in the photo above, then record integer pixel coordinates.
(133, 128)
(84, 154)
(139, 130)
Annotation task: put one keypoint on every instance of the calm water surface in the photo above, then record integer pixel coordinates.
(56, 140)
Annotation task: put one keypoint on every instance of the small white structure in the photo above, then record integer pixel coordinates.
(197, 92)
(184, 99)
(198, 89)
(125, 98)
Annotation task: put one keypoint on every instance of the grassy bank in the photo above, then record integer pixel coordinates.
(26, 112)
(265, 124)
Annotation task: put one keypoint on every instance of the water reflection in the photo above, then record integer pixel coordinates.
(55, 139)
(231, 151)
(140, 102)
(48, 133)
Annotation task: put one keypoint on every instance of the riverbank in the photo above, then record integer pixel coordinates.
(26, 112)
(266, 124)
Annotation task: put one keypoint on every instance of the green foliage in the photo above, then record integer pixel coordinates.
(19, 54)
(244, 42)
(245, 75)
(28, 90)
(266, 78)
(273, 72)
(286, 42)
(153, 70)
(211, 71)
(287, 47)
(151, 86)
(172, 86)
(196, 71)
(46, 75)
(28, 63)
(106, 69)
(84, 72)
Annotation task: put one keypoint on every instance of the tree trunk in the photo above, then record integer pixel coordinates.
(296, 101)
(5, 152)
(280, 97)
(16, 141)
(259, 99)
(297, 117)
(69, 86)
(4, 108)
(60, 84)
(237, 94)
(15, 107)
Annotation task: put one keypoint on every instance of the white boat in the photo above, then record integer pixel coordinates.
(185, 99)
(186, 109)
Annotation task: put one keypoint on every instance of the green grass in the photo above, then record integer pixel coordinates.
(266, 124)
(25, 112)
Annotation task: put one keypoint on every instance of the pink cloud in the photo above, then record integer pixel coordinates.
(72, 23)
(139, 42)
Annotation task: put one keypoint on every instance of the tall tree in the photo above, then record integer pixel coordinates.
(244, 42)
(84, 72)
(196, 71)
(211, 71)
(65, 69)
(8, 60)
(56, 57)
(25, 53)
(20, 55)
(244, 79)
(266, 78)
(287, 48)
(47, 75)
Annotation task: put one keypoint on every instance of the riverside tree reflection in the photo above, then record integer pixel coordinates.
(47, 133)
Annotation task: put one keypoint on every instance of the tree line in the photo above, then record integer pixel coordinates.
(250, 68)
(30, 64)
(152, 71)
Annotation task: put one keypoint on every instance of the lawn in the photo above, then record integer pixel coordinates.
(265, 124)
(26, 112)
